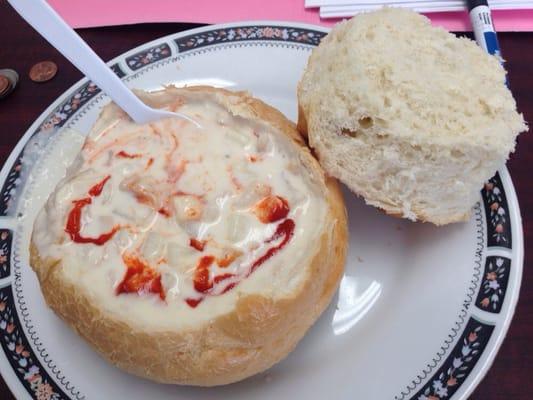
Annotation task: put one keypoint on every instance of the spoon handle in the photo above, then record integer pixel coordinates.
(60, 35)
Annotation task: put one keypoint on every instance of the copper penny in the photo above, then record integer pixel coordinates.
(43, 71)
(4, 84)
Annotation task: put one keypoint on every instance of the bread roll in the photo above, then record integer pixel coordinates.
(407, 115)
(187, 255)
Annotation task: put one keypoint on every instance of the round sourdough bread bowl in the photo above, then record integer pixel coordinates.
(138, 292)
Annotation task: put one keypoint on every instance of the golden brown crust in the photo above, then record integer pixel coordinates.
(302, 122)
(258, 333)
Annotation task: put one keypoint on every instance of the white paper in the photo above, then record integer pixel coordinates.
(334, 11)
(498, 4)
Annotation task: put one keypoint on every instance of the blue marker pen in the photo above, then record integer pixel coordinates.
(483, 28)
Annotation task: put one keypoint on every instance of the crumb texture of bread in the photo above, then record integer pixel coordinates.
(251, 332)
(408, 116)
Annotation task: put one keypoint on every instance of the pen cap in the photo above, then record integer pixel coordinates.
(476, 3)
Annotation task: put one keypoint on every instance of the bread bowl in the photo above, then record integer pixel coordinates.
(142, 249)
(407, 115)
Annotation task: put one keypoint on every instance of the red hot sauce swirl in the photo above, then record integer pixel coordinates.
(272, 208)
(73, 226)
(140, 278)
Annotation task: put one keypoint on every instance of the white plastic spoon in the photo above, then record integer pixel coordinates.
(56, 31)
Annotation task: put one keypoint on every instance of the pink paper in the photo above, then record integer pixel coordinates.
(93, 13)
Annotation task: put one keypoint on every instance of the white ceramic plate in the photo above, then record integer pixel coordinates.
(420, 313)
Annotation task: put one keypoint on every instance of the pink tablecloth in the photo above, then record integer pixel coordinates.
(91, 13)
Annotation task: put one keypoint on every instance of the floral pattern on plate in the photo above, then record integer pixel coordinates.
(20, 355)
(459, 364)
(494, 285)
(9, 185)
(61, 114)
(118, 71)
(148, 56)
(243, 33)
(496, 211)
(5, 253)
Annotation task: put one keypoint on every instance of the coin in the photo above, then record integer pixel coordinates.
(4, 84)
(12, 79)
(43, 71)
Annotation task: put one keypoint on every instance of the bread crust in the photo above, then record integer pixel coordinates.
(258, 333)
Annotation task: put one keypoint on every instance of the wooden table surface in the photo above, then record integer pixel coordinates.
(511, 376)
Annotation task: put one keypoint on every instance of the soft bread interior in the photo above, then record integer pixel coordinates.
(407, 115)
